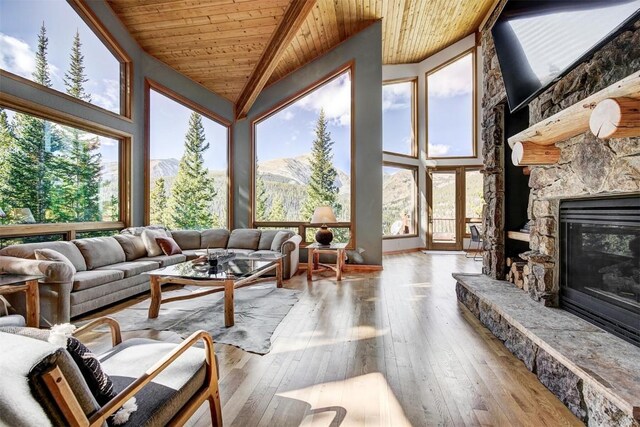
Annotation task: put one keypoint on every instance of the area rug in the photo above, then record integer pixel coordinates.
(259, 310)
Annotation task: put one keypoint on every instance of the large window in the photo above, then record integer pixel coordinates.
(451, 109)
(47, 42)
(474, 198)
(188, 164)
(303, 159)
(50, 173)
(399, 117)
(399, 200)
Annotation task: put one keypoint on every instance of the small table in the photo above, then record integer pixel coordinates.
(12, 283)
(235, 273)
(313, 258)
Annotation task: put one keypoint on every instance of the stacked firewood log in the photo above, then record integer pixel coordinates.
(518, 272)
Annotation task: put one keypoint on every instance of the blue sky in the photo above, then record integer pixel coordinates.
(397, 129)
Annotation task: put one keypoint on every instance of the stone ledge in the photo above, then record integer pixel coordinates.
(594, 373)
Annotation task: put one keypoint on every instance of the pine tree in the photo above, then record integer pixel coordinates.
(277, 213)
(193, 192)
(28, 167)
(321, 189)
(74, 79)
(76, 190)
(112, 210)
(158, 203)
(261, 197)
(6, 146)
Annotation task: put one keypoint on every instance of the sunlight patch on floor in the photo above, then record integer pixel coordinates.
(365, 400)
(313, 339)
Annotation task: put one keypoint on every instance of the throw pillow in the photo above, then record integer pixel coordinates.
(168, 245)
(51, 255)
(149, 240)
(279, 239)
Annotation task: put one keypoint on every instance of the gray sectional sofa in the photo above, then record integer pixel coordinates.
(109, 269)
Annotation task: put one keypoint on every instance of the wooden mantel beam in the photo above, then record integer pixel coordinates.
(291, 22)
(616, 118)
(574, 120)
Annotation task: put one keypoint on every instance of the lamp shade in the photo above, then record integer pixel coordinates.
(323, 215)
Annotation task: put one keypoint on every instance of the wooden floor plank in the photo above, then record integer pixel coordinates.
(385, 348)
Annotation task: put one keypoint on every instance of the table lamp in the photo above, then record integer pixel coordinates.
(321, 216)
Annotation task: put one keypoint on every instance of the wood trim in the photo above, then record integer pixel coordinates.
(403, 251)
(486, 18)
(414, 115)
(416, 206)
(351, 267)
(459, 209)
(474, 102)
(347, 67)
(149, 85)
(65, 399)
(126, 65)
(292, 20)
(19, 230)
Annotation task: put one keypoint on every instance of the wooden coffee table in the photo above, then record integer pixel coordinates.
(12, 283)
(241, 271)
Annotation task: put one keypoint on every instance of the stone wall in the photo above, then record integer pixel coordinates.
(588, 166)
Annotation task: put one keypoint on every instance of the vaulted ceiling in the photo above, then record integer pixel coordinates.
(223, 44)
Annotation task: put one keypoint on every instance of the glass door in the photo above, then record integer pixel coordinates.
(445, 209)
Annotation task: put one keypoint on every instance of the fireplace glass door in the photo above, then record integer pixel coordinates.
(600, 263)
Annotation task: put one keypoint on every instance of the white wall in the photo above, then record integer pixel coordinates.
(391, 72)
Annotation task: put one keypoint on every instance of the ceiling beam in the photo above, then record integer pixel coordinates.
(291, 22)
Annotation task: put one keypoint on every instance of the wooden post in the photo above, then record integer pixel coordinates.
(33, 304)
(616, 118)
(528, 153)
(279, 273)
(156, 297)
(310, 255)
(228, 304)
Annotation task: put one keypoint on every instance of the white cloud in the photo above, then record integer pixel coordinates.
(106, 94)
(396, 96)
(437, 150)
(334, 97)
(452, 80)
(288, 115)
(16, 56)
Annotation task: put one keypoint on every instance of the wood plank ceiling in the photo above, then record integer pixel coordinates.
(218, 43)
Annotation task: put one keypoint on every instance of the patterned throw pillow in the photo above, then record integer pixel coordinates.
(168, 245)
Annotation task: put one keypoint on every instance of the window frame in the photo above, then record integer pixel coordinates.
(69, 229)
(149, 85)
(414, 116)
(416, 207)
(126, 66)
(302, 226)
(474, 104)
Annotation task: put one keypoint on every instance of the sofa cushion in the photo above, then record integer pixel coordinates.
(149, 240)
(159, 401)
(133, 268)
(100, 251)
(187, 239)
(166, 260)
(214, 238)
(51, 255)
(279, 239)
(244, 238)
(68, 249)
(168, 246)
(89, 279)
(133, 246)
(266, 237)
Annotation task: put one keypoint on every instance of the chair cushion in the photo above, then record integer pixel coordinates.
(133, 268)
(132, 245)
(279, 239)
(244, 238)
(214, 238)
(162, 399)
(149, 240)
(168, 246)
(100, 251)
(68, 249)
(51, 255)
(166, 260)
(187, 239)
(89, 279)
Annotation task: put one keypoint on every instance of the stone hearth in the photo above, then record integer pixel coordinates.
(594, 373)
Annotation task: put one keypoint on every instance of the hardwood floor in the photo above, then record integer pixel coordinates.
(388, 348)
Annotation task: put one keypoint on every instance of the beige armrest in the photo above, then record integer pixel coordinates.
(291, 245)
(114, 326)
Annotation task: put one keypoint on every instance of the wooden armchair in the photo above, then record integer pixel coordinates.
(170, 381)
